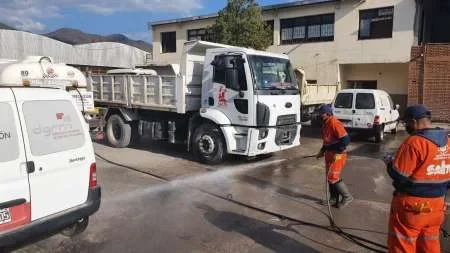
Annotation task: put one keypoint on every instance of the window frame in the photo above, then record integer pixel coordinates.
(302, 27)
(165, 49)
(197, 35)
(364, 15)
(28, 107)
(365, 98)
(342, 94)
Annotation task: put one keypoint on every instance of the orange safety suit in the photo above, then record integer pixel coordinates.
(335, 141)
(421, 174)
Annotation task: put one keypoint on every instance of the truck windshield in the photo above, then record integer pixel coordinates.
(271, 73)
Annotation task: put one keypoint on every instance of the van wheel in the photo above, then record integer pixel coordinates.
(208, 145)
(118, 132)
(395, 130)
(379, 134)
(76, 228)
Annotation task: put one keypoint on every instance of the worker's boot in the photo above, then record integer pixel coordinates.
(333, 195)
(342, 189)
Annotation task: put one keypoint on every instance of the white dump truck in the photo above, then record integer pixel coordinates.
(218, 100)
(313, 95)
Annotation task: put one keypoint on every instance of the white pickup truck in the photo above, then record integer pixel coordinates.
(313, 95)
(218, 100)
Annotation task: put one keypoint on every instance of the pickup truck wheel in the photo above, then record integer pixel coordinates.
(76, 228)
(379, 134)
(118, 132)
(208, 144)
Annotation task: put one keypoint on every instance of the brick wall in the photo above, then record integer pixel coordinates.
(429, 79)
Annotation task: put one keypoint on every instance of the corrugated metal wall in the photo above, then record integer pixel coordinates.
(18, 44)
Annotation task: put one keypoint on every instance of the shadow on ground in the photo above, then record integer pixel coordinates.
(262, 233)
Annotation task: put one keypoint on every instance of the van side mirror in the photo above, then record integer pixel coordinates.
(397, 107)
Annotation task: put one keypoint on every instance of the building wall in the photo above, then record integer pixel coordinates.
(321, 60)
(429, 79)
(181, 30)
(391, 77)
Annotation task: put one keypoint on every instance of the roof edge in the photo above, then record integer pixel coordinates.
(264, 8)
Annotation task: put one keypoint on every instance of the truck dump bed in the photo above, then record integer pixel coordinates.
(175, 88)
(151, 92)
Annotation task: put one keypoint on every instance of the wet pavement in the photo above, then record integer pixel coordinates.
(140, 213)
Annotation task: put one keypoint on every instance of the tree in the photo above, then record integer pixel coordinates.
(240, 23)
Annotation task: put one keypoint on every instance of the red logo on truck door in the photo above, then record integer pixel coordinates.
(221, 96)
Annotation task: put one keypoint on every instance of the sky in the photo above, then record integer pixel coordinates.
(104, 17)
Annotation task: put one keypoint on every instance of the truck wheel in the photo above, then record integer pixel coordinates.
(208, 145)
(76, 228)
(379, 134)
(118, 132)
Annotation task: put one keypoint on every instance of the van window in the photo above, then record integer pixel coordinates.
(53, 126)
(365, 101)
(9, 141)
(344, 100)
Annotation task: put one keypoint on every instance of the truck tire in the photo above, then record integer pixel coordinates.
(76, 228)
(118, 132)
(379, 134)
(208, 144)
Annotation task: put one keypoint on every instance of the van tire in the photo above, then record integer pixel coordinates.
(76, 228)
(205, 137)
(379, 134)
(118, 133)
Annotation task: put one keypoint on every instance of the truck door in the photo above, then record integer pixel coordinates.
(230, 94)
(14, 186)
(343, 108)
(58, 145)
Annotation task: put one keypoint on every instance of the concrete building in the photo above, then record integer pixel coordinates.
(96, 57)
(357, 43)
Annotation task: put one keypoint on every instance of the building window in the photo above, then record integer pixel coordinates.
(307, 29)
(196, 34)
(376, 23)
(169, 42)
(271, 24)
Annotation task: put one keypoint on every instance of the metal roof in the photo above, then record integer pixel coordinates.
(264, 8)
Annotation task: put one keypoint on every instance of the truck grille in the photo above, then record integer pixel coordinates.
(286, 120)
(285, 135)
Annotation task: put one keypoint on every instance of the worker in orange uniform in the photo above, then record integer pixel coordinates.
(335, 142)
(421, 177)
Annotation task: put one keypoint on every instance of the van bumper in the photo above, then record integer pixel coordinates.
(54, 222)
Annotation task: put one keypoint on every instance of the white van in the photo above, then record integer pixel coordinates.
(48, 176)
(371, 111)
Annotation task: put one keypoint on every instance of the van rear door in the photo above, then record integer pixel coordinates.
(58, 143)
(365, 110)
(14, 186)
(343, 108)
